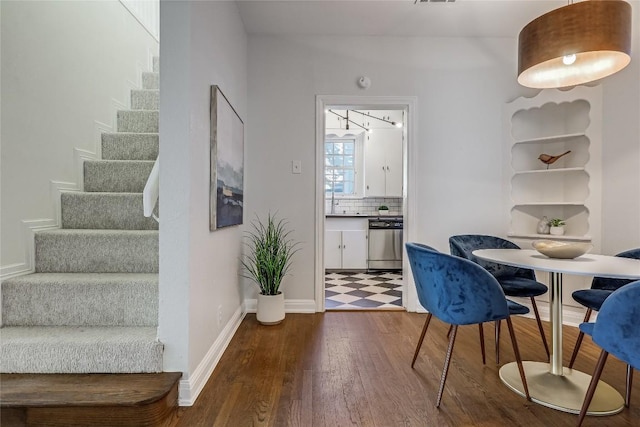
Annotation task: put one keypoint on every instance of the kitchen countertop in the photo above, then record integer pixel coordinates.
(361, 216)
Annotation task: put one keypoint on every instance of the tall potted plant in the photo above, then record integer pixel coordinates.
(270, 250)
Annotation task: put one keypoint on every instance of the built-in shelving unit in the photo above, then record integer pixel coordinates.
(554, 122)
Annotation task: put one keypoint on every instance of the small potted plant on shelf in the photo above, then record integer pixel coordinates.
(270, 250)
(383, 210)
(556, 226)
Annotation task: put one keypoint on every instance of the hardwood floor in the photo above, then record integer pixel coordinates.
(353, 369)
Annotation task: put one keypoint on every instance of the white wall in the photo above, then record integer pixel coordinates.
(66, 67)
(461, 85)
(621, 152)
(202, 43)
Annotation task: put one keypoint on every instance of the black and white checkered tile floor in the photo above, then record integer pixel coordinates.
(358, 291)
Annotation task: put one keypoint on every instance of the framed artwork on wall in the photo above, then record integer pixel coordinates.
(227, 163)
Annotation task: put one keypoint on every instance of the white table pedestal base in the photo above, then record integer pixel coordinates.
(562, 392)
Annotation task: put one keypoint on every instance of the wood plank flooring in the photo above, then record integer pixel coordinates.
(353, 369)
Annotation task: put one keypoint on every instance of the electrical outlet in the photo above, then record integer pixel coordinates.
(219, 315)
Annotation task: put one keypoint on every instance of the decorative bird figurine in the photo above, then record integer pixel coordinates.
(548, 159)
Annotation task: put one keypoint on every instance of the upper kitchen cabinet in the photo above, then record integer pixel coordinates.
(383, 163)
(550, 124)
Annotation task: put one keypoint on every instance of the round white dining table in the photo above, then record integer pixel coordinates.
(551, 384)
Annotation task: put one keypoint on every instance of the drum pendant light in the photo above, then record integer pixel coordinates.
(575, 44)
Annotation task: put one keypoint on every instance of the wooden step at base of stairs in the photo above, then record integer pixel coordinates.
(89, 399)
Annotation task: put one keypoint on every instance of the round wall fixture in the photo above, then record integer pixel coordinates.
(364, 82)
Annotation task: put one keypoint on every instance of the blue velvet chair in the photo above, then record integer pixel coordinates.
(515, 281)
(616, 331)
(457, 292)
(593, 299)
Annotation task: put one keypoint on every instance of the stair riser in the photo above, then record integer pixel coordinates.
(129, 146)
(116, 176)
(107, 252)
(96, 357)
(145, 99)
(64, 304)
(138, 121)
(150, 80)
(115, 211)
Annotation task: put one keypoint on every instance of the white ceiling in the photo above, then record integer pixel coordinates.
(462, 18)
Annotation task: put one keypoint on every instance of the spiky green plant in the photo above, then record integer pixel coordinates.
(269, 256)
(556, 222)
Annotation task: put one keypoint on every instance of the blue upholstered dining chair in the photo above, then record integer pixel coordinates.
(616, 331)
(515, 281)
(457, 292)
(593, 299)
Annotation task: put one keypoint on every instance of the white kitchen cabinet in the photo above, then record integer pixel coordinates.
(383, 163)
(333, 249)
(345, 243)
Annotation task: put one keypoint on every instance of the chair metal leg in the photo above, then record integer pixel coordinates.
(592, 386)
(481, 329)
(424, 331)
(576, 348)
(497, 342)
(627, 394)
(540, 328)
(516, 351)
(447, 361)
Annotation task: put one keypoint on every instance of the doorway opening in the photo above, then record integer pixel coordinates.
(362, 173)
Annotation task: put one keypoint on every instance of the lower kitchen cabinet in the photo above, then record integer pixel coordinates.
(345, 249)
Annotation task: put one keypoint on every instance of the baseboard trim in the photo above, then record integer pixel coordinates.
(14, 270)
(290, 305)
(190, 389)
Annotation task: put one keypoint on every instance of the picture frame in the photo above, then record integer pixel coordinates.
(226, 189)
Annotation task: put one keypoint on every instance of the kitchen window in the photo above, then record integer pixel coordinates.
(340, 166)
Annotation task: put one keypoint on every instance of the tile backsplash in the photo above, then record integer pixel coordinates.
(368, 206)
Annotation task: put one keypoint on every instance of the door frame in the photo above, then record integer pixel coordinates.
(409, 201)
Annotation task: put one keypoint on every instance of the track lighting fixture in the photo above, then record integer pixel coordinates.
(396, 124)
(348, 120)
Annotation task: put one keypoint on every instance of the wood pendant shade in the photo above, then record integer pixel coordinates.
(597, 32)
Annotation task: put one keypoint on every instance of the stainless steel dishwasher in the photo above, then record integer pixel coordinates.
(385, 244)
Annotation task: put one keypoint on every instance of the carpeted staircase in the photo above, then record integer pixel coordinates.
(92, 304)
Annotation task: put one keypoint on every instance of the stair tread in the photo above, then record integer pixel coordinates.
(61, 335)
(132, 133)
(95, 232)
(74, 278)
(120, 161)
(37, 390)
(137, 112)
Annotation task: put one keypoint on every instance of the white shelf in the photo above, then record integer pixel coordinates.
(564, 203)
(550, 237)
(545, 171)
(553, 138)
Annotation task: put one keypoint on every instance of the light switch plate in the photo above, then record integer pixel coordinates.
(296, 166)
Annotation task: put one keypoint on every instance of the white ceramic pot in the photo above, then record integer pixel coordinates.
(557, 231)
(383, 212)
(270, 309)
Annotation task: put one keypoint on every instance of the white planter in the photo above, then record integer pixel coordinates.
(557, 231)
(270, 309)
(383, 212)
